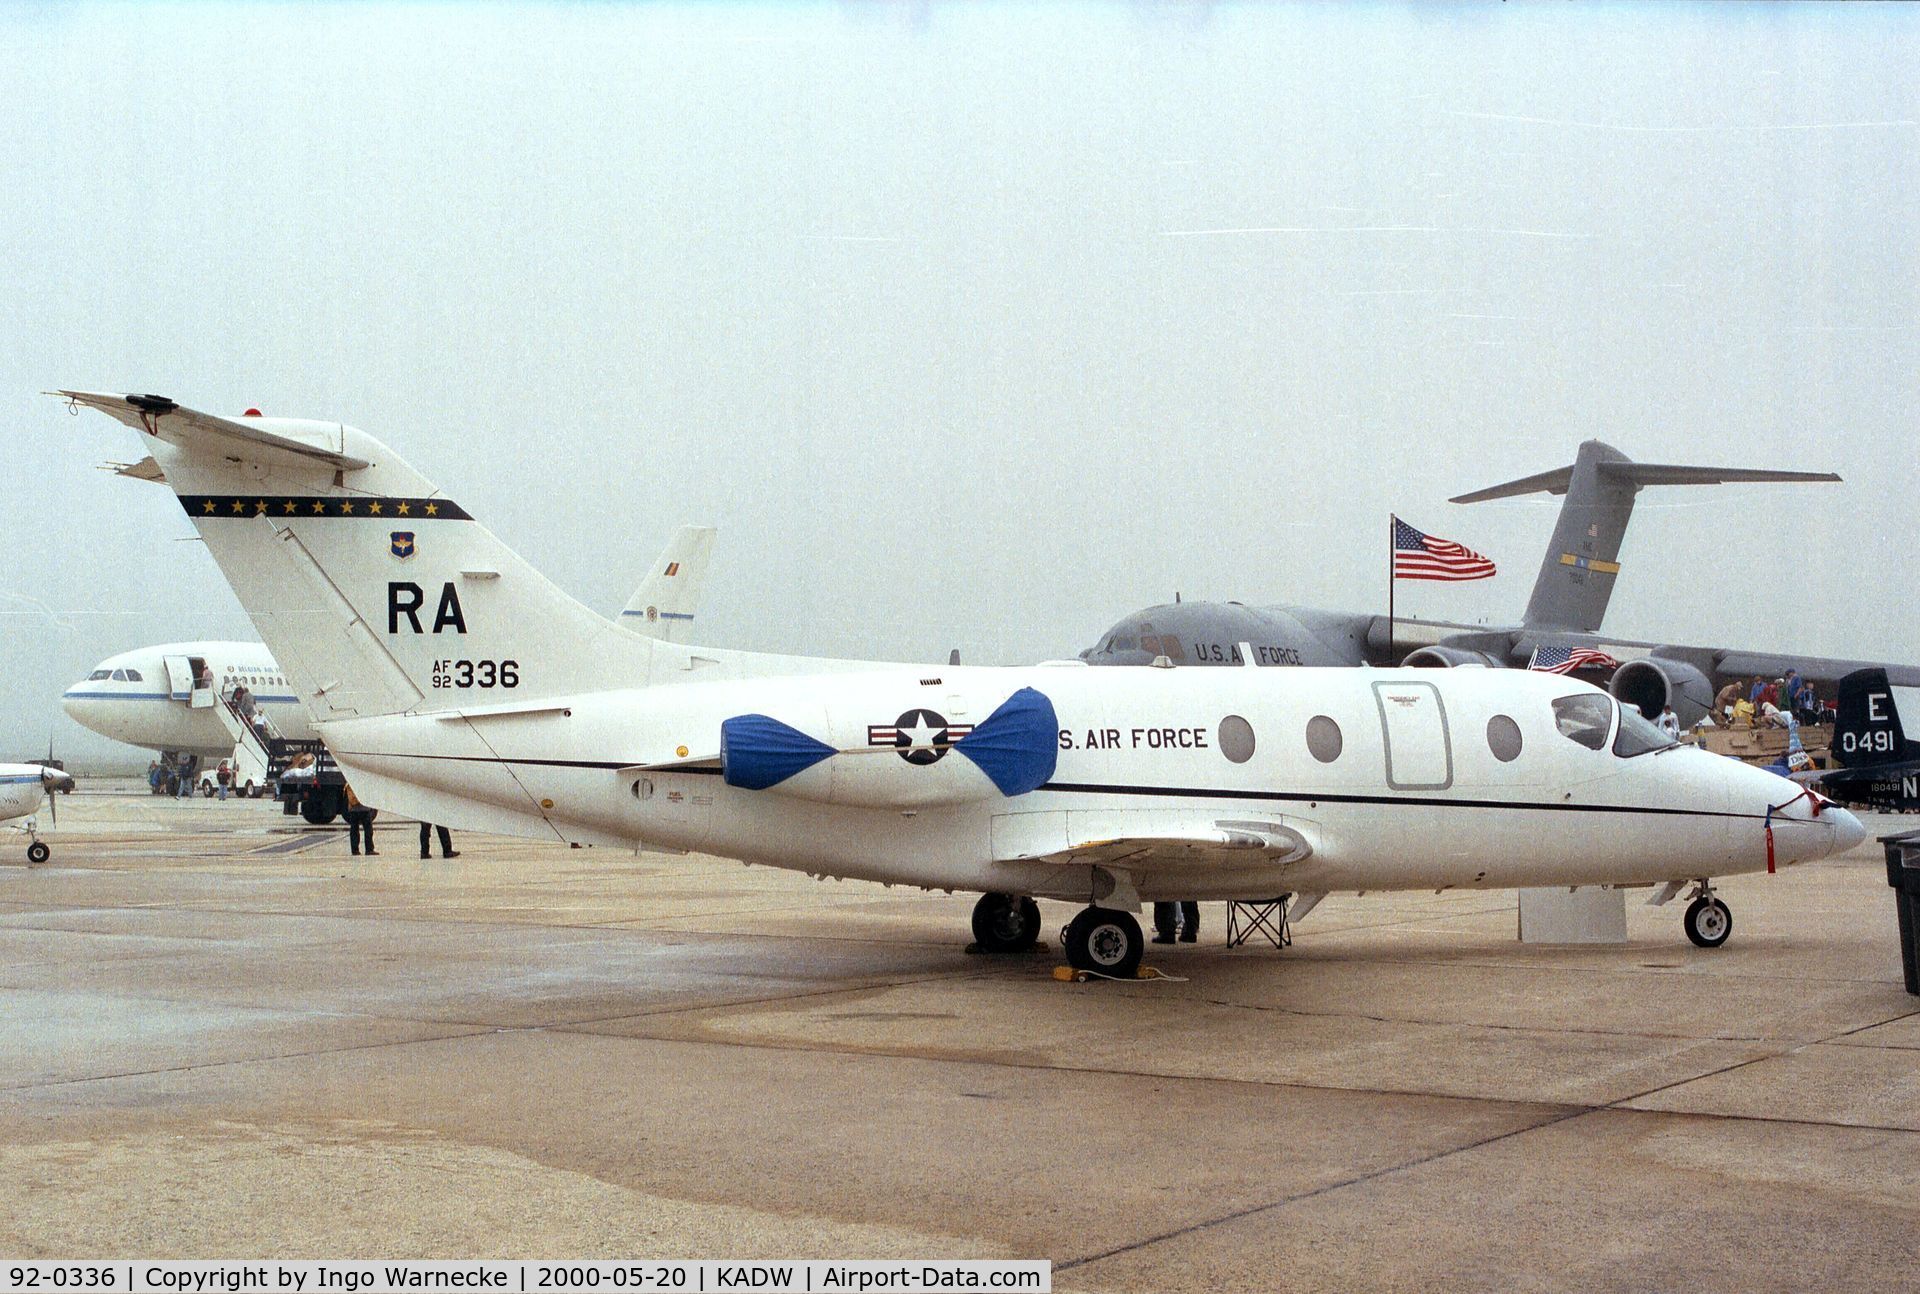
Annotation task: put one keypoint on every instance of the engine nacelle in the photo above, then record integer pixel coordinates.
(920, 760)
(1658, 681)
(1442, 656)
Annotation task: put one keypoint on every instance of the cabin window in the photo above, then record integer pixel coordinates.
(1503, 738)
(1236, 739)
(1324, 741)
(1638, 734)
(1584, 719)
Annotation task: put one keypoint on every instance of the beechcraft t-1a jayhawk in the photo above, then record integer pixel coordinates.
(22, 788)
(460, 686)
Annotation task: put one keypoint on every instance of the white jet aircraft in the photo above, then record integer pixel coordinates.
(455, 683)
(147, 697)
(22, 788)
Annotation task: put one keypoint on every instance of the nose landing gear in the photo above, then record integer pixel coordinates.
(1708, 922)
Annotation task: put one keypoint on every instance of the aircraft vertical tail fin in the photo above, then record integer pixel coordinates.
(1867, 728)
(376, 592)
(1583, 558)
(664, 604)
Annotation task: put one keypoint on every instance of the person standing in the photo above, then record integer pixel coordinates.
(1669, 722)
(359, 823)
(224, 776)
(1169, 917)
(446, 842)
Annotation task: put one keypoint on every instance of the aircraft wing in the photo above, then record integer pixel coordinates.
(1123, 840)
(663, 606)
(294, 442)
(1817, 669)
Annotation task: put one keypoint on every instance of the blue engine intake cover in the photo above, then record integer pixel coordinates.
(757, 752)
(1018, 745)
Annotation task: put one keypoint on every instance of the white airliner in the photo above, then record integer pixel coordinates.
(456, 684)
(146, 697)
(22, 788)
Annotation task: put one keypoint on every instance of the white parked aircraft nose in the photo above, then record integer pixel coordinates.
(1848, 830)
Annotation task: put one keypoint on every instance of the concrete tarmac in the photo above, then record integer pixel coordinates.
(221, 1036)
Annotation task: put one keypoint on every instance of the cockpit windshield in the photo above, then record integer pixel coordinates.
(1638, 734)
(1584, 719)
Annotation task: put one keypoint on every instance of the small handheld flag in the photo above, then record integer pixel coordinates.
(1418, 556)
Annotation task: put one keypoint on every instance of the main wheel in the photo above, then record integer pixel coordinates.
(38, 852)
(318, 809)
(1708, 922)
(1005, 924)
(1104, 941)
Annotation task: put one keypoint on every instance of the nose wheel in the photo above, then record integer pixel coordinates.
(1006, 923)
(38, 852)
(1105, 942)
(1708, 922)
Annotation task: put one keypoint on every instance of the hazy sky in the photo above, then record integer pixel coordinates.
(977, 327)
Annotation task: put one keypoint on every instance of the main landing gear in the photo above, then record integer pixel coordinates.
(1006, 923)
(1104, 941)
(1708, 922)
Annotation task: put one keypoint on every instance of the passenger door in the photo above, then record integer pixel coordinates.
(1413, 727)
(179, 678)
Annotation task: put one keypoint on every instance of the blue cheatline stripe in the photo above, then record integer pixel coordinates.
(664, 615)
(19, 779)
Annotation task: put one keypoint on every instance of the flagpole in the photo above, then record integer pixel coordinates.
(1390, 521)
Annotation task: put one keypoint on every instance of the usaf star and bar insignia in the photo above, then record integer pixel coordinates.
(919, 736)
(346, 507)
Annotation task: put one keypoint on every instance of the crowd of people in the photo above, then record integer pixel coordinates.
(1777, 703)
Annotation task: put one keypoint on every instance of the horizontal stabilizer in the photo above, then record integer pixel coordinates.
(144, 470)
(1637, 474)
(1582, 560)
(287, 441)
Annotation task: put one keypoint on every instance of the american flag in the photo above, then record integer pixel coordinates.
(1564, 660)
(1422, 557)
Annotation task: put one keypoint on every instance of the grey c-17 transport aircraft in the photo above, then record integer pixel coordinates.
(1568, 604)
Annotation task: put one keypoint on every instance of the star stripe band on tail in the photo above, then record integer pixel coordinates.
(369, 507)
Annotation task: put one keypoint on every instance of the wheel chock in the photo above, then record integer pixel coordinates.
(1068, 975)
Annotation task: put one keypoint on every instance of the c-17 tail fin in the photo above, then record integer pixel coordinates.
(1576, 578)
(664, 605)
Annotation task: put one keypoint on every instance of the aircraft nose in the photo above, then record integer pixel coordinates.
(1848, 830)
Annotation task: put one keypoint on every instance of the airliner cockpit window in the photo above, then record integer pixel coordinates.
(133, 676)
(1584, 719)
(99, 674)
(119, 676)
(1637, 734)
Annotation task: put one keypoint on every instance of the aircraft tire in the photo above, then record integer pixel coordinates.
(38, 852)
(1708, 922)
(1105, 942)
(319, 809)
(1003, 923)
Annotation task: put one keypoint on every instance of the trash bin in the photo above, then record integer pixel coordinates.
(1903, 874)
